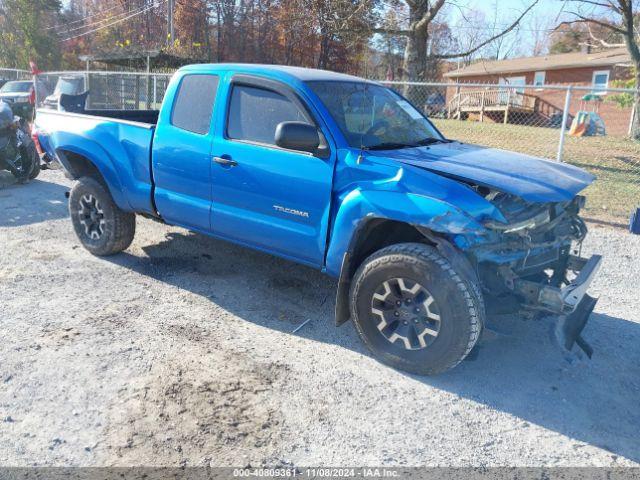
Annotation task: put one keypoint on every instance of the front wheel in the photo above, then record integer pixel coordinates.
(413, 310)
(101, 226)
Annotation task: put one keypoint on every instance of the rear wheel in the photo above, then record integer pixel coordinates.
(101, 227)
(413, 311)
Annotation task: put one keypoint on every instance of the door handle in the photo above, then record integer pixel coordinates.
(225, 162)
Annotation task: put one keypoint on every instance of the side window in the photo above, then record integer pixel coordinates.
(254, 114)
(193, 104)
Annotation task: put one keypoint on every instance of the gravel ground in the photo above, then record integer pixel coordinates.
(180, 351)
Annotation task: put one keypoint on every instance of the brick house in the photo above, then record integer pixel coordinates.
(540, 105)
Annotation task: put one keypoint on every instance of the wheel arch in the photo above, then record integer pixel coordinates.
(374, 234)
(79, 164)
(371, 235)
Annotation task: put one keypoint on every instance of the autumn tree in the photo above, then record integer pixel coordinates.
(22, 37)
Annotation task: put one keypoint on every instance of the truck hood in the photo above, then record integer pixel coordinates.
(532, 179)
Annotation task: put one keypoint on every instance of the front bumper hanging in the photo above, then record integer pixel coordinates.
(571, 302)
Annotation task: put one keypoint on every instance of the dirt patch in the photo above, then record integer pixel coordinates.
(198, 415)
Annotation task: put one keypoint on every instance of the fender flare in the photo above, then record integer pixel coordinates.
(99, 158)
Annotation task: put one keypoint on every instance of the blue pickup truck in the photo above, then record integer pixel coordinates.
(426, 235)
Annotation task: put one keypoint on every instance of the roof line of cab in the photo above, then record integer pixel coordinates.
(282, 71)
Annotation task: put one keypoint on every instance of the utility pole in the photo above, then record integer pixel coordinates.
(170, 36)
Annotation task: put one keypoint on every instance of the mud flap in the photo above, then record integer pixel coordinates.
(569, 328)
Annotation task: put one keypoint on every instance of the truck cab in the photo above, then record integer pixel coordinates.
(425, 234)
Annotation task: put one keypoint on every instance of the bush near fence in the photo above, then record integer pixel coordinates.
(524, 119)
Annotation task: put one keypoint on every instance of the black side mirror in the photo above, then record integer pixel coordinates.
(297, 136)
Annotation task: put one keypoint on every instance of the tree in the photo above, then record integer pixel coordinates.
(422, 15)
(22, 37)
(573, 37)
(622, 18)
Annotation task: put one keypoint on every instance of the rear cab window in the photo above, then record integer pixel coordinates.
(193, 104)
(255, 112)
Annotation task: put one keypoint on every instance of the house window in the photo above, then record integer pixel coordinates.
(600, 81)
(538, 79)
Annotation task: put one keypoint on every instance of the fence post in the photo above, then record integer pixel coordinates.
(563, 126)
(87, 88)
(155, 91)
(137, 101)
(482, 106)
(506, 109)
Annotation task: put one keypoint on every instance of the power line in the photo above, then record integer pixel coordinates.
(85, 18)
(117, 21)
(98, 22)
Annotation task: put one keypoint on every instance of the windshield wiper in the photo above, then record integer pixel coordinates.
(389, 146)
(430, 141)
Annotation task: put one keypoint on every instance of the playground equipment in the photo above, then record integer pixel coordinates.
(588, 123)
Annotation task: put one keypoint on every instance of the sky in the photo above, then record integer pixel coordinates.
(545, 15)
(546, 8)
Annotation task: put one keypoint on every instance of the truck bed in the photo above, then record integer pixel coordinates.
(118, 142)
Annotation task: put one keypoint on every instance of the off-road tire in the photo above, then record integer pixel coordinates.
(119, 226)
(35, 159)
(458, 300)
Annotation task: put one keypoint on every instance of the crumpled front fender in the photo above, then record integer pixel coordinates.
(360, 206)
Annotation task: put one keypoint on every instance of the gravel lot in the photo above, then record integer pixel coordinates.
(180, 351)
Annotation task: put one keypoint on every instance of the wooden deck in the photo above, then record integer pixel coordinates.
(506, 100)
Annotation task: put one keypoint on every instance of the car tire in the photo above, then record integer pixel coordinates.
(101, 226)
(35, 159)
(414, 311)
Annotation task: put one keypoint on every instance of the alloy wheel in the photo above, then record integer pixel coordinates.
(406, 312)
(91, 216)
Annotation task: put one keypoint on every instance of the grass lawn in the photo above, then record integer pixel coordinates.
(614, 160)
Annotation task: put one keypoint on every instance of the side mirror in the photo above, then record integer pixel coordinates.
(297, 136)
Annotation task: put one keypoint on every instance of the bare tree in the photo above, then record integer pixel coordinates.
(621, 17)
(422, 14)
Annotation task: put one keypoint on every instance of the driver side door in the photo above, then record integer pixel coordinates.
(271, 198)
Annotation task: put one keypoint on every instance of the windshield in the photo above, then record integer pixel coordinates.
(15, 87)
(69, 86)
(374, 117)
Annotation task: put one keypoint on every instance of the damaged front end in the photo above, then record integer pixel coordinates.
(531, 263)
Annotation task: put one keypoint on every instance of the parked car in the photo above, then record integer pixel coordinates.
(424, 234)
(21, 96)
(435, 105)
(68, 85)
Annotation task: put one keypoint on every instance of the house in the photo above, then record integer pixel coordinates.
(538, 105)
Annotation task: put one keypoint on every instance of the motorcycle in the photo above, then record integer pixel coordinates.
(18, 153)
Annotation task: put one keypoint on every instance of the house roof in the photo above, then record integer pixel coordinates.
(611, 57)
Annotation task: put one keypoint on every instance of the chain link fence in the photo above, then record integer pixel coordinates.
(8, 74)
(587, 128)
(105, 90)
(577, 125)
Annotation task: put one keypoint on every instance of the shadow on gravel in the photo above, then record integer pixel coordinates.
(519, 371)
(32, 202)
